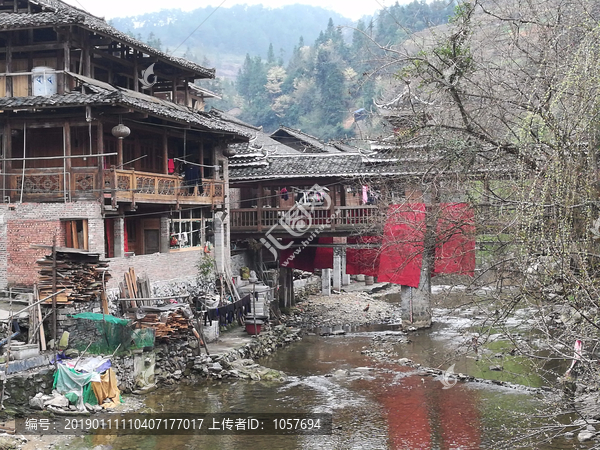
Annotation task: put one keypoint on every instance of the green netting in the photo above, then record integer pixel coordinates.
(104, 334)
(101, 317)
(143, 337)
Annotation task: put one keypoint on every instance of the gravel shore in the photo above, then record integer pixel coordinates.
(345, 309)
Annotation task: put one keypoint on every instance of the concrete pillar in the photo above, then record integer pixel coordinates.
(337, 269)
(290, 293)
(165, 234)
(326, 282)
(415, 303)
(119, 237)
(286, 290)
(345, 276)
(219, 243)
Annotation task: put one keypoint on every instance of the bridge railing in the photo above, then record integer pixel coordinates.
(338, 217)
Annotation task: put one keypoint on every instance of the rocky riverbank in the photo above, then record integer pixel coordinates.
(176, 362)
(345, 309)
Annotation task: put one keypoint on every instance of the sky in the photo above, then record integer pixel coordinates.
(352, 9)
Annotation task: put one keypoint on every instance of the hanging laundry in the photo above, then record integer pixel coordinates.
(284, 194)
(171, 166)
(365, 194)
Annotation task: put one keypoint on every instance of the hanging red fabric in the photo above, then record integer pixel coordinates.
(297, 257)
(324, 255)
(455, 252)
(363, 261)
(402, 246)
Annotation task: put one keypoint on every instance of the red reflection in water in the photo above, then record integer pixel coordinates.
(408, 418)
(416, 406)
(459, 417)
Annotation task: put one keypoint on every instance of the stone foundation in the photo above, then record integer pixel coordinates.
(184, 361)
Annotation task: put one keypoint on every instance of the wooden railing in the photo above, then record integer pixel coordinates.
(83, 183)
(300, 219)
(144, 187)
(51, 184)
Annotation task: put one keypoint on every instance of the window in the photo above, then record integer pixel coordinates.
(187, 229)
(76, 233)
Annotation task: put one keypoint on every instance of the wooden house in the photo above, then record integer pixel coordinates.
(105, 147)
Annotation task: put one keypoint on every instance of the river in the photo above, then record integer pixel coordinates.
(375, 405)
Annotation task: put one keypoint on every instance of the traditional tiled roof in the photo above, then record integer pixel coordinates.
(303, 165)
(302, 142)
(260, 146)
(58, 13)
(96, 93)
(266, 158)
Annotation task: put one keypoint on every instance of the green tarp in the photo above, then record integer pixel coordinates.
(101, 317)
(72, 385)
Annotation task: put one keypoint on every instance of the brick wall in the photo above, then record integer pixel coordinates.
(25, 224)
(22, 225)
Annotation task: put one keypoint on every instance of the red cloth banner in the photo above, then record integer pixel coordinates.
(455, 250)
(297, 257)
(399, 258)
(402, 246)
(324, 255)
(363, 261)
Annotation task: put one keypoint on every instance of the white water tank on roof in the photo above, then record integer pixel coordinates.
(43, 81)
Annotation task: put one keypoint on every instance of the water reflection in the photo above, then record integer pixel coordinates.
(374, 405)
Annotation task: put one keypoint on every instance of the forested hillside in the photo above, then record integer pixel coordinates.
(225, 35)
(298, 66)
(327, 80)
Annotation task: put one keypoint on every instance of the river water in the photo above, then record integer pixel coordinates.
(374, 405)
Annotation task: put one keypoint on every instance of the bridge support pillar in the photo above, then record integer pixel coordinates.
(415, 303)
(326, 282)
(286, 290)
(337, 269)
(119, 237)
(345, 276)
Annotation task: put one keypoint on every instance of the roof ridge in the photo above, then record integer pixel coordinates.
(100, 25)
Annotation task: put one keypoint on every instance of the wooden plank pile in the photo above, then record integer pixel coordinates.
(133, 287)
(80, 273)
(168, 325)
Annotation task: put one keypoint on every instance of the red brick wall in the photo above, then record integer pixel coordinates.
(28, 224)
(22, 225)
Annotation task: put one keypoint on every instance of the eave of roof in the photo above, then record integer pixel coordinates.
(98, 93)
(58, 13)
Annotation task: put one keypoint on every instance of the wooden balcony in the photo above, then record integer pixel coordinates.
(130, 186)
(297, 221)
(120, 186)
(51, 185)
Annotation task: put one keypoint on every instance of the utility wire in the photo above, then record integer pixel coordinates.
(196, 29)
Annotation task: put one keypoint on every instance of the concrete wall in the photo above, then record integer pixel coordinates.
(238, 261)
(158, 266)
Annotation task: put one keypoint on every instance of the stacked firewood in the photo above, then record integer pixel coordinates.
(168, 325)
(134, 287)
(82, 275)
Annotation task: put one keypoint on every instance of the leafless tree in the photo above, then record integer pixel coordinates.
(504, 100)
